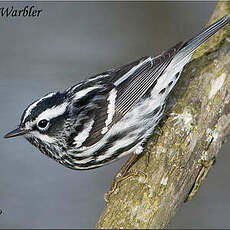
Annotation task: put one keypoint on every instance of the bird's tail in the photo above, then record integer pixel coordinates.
(196, 41)
(190, 46)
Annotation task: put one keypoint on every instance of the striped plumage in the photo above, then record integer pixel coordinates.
(110, 114)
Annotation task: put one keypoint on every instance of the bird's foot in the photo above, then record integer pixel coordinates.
(119, 178)
(123, 175)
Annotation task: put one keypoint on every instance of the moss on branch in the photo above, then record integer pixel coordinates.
(190, 138)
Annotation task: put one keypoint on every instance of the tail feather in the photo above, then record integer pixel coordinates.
(196, 41)
(190, 46)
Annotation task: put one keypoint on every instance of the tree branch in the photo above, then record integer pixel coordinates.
(191, 136)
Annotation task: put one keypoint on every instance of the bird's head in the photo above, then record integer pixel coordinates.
(43, 120)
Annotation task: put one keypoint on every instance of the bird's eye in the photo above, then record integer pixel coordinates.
(43, 124)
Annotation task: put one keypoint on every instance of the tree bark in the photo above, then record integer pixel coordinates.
(190, 137)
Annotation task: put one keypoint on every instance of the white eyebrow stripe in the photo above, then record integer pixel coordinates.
(84, 92)
(55, 111)
(29, 109)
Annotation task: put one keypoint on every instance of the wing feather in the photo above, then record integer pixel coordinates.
(141, 80)
(130, 82)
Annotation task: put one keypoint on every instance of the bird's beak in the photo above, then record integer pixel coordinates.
(16, 132)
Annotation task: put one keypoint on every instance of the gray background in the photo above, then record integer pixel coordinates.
(68, 42)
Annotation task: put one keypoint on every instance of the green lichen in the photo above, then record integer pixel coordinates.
(175, 152)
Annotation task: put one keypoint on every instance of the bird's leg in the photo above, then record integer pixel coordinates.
(147, 159)
(123, 175)
(124, 169)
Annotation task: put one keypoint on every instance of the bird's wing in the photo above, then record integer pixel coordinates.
(140, 79)
(115, 92)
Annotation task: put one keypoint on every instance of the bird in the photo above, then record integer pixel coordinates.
(111, 114)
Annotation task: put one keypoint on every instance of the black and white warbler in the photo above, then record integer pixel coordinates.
(111, 114)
